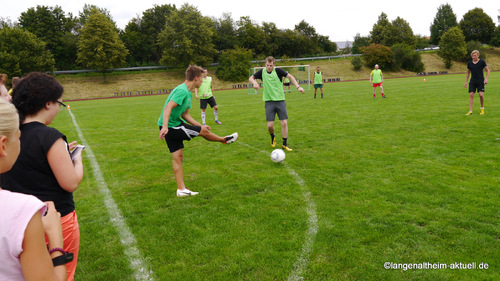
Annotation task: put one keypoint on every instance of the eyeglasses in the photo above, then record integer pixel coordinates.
(63, 106)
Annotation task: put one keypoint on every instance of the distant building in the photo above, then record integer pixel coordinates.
(344, 44)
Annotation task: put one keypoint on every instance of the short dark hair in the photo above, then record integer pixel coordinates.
(193, 71)
(33, 91)
(270, 59)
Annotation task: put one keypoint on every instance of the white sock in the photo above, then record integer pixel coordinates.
(203, 117)
(216, 114)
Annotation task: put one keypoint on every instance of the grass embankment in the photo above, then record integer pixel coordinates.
(91, 85)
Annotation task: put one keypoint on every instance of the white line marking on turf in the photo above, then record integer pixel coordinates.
(128, 240)
(312, 224)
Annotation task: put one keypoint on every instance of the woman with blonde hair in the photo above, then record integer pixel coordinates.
(45, 156)
(25, 220)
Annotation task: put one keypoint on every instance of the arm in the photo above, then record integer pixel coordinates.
(68, 173)
(190, 119)
(196, 93)
(467, 78)
(371, 76)
(166, 115)
(254, 82)
(292, 79)
(487, 75)
(35, 260)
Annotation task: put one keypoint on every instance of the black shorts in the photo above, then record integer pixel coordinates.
(276, 107)
(210, 101)
(473, 86)
(176, 136)
(286, 84)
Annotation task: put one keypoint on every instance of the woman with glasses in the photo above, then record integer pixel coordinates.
(45, 156)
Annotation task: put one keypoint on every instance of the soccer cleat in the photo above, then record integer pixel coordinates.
(218, 122)
(185, 192)
(468, 113)
(286, 148)
(383, 96)
(231, 138)
(481, 112)
(273, 142)
(204, 124)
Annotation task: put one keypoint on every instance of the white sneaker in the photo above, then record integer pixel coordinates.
(231, 138)
(185, 192)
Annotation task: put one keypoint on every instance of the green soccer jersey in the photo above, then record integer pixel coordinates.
(205, 90)
(318, 77)
(273, 87)
(182, 97)
(377, 76)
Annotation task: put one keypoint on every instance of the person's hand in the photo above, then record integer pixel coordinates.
(196, 96)
(485, 81)
(300, 89)
(72, 145)
(163, 132)
(52, 221)
(256, 86)
(206, 127)
(465, 85)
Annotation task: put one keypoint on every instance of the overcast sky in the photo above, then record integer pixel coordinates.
(339, 20)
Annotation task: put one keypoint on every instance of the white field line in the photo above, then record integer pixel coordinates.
(137, 262)
(312, 224)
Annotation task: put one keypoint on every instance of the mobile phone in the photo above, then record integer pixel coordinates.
(76, 150)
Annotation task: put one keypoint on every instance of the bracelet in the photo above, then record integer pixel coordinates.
(62, 259)
(57, 250)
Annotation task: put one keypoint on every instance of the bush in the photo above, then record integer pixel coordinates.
(474, 45)
(404, 57)
(377, 54)
(234, 65)
(357, 63)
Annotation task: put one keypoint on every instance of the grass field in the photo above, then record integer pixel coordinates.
(408, 179)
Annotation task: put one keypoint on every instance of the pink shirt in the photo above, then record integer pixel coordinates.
(16, 210)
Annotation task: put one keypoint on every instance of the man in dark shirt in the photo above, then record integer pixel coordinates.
(477, 80)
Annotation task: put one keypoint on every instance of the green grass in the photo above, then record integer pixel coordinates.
(407, 179)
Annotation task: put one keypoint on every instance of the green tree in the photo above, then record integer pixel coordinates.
(234, 65)
(225, 36)
(377, 54)
(357, 63)
(22, 52)
(187, 38)
(359, 41)
(444, 20)
(452, 46)
(495, 39)
(477, 25)
(99, 46)
(87, 12)
(250, 35)
(405, 57)
(376, 34)
(57, 30)
(141, 35)
(399, 31)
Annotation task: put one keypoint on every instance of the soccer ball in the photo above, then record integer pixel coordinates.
(278, 155)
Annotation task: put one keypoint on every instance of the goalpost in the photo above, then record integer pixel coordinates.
(301, 73)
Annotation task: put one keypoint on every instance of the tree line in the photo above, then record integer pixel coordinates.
(163, 35)
(47, 39)
(392, 44)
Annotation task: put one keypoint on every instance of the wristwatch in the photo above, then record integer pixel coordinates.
(62, 259)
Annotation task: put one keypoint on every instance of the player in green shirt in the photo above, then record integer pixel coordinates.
(206, 97)
(378, 79)
(274, 98)
(286, 83)
(174, 129)
(318, 81)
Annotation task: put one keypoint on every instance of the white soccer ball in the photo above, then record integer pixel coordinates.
(278, 155)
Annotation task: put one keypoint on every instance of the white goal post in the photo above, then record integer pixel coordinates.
(301, 73)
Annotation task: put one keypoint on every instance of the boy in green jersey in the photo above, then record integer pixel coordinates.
(286, 83)
(378, 79)
(318, 81)
(206, 97)
(174, 129)
(274, 98)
